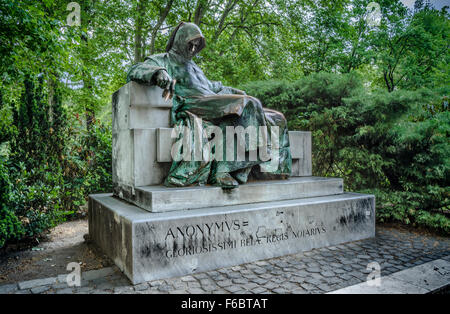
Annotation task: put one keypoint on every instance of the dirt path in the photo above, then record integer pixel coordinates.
(65, 244)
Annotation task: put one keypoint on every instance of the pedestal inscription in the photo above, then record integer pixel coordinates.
(166, 244)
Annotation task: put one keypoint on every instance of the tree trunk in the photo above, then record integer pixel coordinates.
(87, 83)
(158, 25)
(228, 8)
(389, 80)
(139, 25)
(200, 10)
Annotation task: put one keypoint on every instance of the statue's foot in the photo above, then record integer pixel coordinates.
(241, 175)
(225, 181)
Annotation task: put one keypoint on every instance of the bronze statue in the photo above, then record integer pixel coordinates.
(195, 98)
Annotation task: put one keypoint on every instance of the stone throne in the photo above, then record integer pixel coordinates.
(142, 143)
(151, 231)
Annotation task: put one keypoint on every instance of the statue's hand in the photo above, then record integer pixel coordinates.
(162, 79)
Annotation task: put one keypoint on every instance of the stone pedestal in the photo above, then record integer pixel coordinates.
(148, 246)
(157, 198)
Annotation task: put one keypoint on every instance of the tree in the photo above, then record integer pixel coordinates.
(409, 45)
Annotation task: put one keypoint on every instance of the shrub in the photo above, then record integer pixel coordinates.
(396, 143)
(87, 165)
(406, 208)
(47, 169)
(10, 226)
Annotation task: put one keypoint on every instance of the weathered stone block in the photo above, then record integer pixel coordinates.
(149, 246)
(164, 142)
(137, 112)
(135, 159)
(136, 106)
(161, 199)
(300, 142)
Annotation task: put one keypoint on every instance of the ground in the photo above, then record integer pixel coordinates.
(317, 271)
(64, 244)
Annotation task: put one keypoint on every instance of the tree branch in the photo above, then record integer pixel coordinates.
(161, 20)
(228, 8)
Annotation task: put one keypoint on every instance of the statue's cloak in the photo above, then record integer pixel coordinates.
(216, 105)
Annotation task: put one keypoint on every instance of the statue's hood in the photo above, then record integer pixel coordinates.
(180, 38)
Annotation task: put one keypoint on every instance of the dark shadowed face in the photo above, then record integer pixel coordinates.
(193, 47)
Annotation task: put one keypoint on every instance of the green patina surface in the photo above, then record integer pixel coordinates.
(200, 104)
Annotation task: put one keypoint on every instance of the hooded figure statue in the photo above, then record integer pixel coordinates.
(201, 105)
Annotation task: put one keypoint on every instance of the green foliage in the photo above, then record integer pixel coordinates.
(10, 226)
(405, 207)
(31, 172)
(50, 168)
(30, 40)
(87, 166)
(409, 47)
(422, 162)
(6, 128)
(394, 142)
(35, 202)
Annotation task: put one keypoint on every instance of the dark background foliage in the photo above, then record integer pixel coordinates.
(394, 145)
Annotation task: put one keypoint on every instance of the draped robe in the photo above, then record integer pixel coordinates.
(197, 98)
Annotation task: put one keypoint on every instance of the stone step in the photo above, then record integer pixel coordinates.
(162, 199)
(149, 246)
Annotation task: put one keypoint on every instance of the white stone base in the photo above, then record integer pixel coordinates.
(148, 246)
(157, 198)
